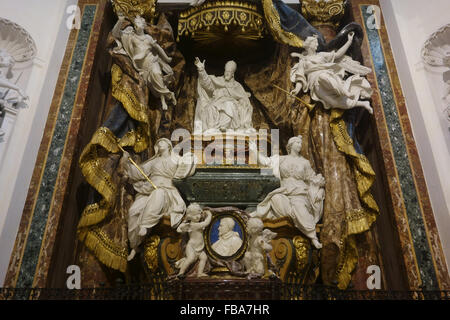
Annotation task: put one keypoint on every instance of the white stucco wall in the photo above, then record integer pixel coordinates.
(45, 20)
(410, 23)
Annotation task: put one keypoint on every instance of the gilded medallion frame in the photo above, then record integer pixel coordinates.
(238, 219)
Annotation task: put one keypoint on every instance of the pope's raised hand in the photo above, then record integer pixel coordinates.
(199, 64)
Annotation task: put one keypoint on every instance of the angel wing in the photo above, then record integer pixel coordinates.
(353, 66)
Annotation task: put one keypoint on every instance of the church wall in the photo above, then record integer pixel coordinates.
(39, 221)
(46, 22)
(409, 24)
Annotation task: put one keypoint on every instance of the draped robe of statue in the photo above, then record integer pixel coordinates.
(151, 205)
(293, 198)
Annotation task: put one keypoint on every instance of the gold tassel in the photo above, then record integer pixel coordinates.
(94, 214)
(106, 251)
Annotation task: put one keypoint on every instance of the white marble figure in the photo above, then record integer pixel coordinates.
(323, 75)
(147, 56)
(229, 241)
(6, 64)
(258, 246)
(151, 204)
(195, 248)
(222, 104)
(301, 194)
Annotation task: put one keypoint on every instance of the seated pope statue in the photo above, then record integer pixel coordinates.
(223, 104)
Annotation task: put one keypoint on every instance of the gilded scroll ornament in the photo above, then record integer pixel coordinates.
(151, 253)
(323, 12)
(302, 247)
(133, 8)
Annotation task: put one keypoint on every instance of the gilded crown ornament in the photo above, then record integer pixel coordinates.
(217, 17)
(133, 8)
(324, 12)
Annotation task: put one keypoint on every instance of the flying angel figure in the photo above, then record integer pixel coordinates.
(323, 75)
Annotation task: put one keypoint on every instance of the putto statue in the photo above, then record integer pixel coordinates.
(300, 196)
(147, 56)
(323, 74)
(255, 259)
(195, 248)
(153, 201)
(223, 104)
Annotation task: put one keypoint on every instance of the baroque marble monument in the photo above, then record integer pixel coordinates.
(205, 205)
(275, 112)
(228, 150)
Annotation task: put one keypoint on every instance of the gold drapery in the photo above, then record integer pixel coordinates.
(274, 25)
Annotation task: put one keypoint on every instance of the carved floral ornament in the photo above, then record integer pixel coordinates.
(133, 8)
(324, 12)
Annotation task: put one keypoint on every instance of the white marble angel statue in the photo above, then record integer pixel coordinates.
(323, 75)
(301, 194)
(195, 248)
(7, 62)
(259, 245)
(222, 104)
(147, 56)
(151, 204)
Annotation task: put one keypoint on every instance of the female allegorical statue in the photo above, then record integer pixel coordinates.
(153, 201)
(300, 196)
